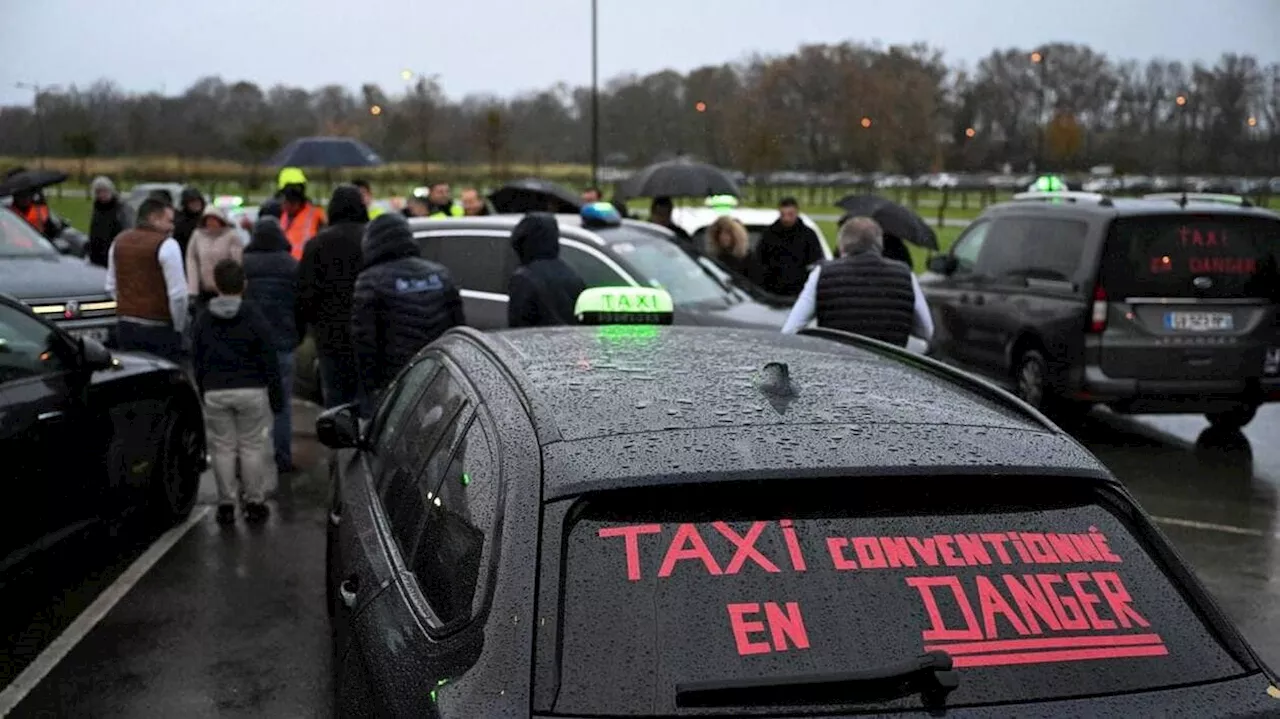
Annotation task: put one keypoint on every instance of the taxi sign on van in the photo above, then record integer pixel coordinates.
(624, 306)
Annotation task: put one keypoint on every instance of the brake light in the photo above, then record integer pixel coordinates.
(1098, 312)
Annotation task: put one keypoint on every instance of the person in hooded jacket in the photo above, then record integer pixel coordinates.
(401, 303)
(271, 276)
(326, 282)
(187, 219)
(214, 240)
(544, 288)
(110, 217)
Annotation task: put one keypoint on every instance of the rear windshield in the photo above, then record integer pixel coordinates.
(1033, 598)
(1204, 255)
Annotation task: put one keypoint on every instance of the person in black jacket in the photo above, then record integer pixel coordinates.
(236, 372)
(110, 217)
(271, 274)
(326, 280)
(787, 249)
(401, 303)
(185, 221)
(544, 288)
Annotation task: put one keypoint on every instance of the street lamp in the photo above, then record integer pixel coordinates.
(1252, 122)
(38, 89)
(1038, 59)
(700, 107)
(865, 122)
(1181, 102)
(406, 75)
(595, 95)
(375, 110)
(970, 132)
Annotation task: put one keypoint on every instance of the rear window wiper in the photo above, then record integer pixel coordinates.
(929, 675)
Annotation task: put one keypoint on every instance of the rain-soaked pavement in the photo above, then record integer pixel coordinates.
(231, 622)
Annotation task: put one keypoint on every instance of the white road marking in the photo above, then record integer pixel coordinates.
(1211, 527)
(30, 677)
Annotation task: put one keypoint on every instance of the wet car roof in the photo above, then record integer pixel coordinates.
(1131, 207)
(687, 401)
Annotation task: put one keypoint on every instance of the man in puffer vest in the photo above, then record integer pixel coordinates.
(863, 292)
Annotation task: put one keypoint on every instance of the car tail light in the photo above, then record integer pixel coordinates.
(1098, 311)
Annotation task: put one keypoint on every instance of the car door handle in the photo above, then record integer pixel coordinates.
(347, 590)
(51, 414)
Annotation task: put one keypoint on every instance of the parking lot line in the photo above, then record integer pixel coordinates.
(89, 618)
(1211, 527)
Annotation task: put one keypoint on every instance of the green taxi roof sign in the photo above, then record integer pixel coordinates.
(624, 306)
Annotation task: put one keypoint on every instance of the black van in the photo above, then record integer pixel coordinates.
(1165, 304)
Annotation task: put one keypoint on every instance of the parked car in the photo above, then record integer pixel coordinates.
(88, 436)
(1155, 305)
(696, 220)
(569, 522)
(65, 290)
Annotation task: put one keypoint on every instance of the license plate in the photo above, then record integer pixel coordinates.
(1199, 321)
(94, 333)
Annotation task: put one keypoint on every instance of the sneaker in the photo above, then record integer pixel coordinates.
(256, 512)
(226, 514)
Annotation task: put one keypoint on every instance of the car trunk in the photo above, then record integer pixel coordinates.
(1187, 296)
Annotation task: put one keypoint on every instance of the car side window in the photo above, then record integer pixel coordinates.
(396, 399)
(453, 545)
(1035, 248)
(28, 347)
(969, 246)
(477, 263)
(425, 421)
(592, 271)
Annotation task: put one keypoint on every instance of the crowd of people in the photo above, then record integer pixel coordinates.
(233, 303)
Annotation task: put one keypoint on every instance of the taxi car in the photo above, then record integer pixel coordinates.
(132, 422)
(65, 290)
(569, 522)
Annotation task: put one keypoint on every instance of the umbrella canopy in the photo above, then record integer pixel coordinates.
(895, 219)
(679, 178)
(328, 152)
(29, 181)
(534, 194)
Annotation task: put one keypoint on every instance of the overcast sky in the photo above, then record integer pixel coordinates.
(508, 46)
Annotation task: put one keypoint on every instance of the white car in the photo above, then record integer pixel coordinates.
(695, 221)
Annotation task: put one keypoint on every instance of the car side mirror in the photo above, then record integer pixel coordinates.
(943, 264)
(339, 427)
(93, 355)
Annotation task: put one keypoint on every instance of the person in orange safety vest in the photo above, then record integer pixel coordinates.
(301, 219)
(36, 214)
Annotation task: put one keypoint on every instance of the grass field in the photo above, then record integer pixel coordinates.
(78, 209)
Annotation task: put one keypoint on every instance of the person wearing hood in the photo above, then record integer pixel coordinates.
(401, 303)
(544, 288)
(190, 214)
(215, 239)
(271, 275)
(110, 218)
(326, 281)
(236, 372)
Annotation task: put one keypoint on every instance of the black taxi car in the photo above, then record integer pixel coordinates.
(574, 522)
(87, 436)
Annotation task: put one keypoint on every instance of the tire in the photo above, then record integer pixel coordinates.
(176, 481)
(1032, 386)
(1233, 418)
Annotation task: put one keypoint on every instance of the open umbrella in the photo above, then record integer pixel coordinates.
(679, 178)
(330, 152)
(29, 181)
(533, 194)
(895, 219)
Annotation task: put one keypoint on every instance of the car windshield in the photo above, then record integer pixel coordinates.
(1034, 596)
(1202, 255)
(19, 239)
(664, 265)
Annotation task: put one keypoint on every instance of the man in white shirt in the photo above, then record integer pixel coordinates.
(863, 292)
(146, 276)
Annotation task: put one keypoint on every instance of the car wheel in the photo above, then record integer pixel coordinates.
(176, 481)
(1030, 378)
(1232, 418)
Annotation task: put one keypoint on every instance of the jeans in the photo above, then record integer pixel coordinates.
(339, 380)
(238, 424)
(282, 429)
(160, 340)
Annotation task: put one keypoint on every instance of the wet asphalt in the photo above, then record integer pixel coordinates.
(231, 621)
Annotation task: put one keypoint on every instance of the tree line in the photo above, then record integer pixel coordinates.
(846, 107)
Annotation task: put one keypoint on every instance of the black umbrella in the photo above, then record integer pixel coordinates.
(29, 181)
(895, 219)
(327, 152)
(534, 194)
(679, 178)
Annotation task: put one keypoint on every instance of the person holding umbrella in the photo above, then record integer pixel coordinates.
(863, 292)
(27, 206)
